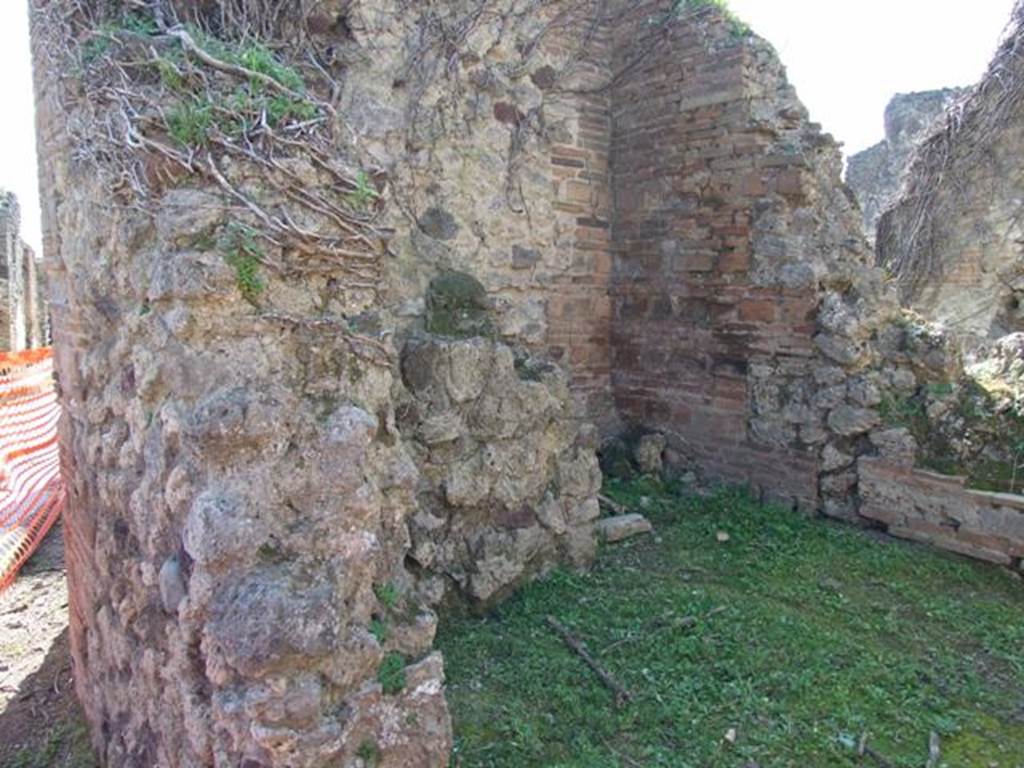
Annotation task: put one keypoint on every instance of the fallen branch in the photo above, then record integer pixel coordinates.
(614, 506)
(576, 645)
(934, 751)
(865, 750)
(625, 758)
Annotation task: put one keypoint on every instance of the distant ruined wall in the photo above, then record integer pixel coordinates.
(876, 175)
(10, 242)
(36, 312)
(954, 239)
(23, 310)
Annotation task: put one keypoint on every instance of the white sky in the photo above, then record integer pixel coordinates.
(846, 58)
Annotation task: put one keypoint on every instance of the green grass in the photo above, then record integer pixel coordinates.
(800, 634)
(66, 745)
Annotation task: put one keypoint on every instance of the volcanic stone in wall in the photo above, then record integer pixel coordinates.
(238, 496)
(508, 479)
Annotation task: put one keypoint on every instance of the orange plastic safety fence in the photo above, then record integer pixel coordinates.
(31, 490)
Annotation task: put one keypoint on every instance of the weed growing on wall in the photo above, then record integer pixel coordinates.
(737, 26)
(243, 252)
(391, 674)
(368, 753)
(388, 595)
(963, 428)
(379, 630)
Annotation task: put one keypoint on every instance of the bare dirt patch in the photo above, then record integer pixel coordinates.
(40, 721)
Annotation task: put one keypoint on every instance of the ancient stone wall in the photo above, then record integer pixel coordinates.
(329, 327)
(238, 495)
(954, 239)
(248, 583)
(876, 175)
(509, 480)
(498, 152)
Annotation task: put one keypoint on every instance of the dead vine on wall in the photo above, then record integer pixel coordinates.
(911, 250)
(164, 99)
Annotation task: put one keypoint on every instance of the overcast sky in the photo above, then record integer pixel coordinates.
(847, 58)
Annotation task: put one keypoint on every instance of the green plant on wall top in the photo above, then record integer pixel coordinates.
(105, 35)
(737, 26)
(248, 107)
(234, 109)
(189, 121)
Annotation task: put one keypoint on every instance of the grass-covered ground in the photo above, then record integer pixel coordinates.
(795, 636)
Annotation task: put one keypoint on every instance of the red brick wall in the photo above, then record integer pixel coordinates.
(579, 307)
(690, 165)
(70, 335)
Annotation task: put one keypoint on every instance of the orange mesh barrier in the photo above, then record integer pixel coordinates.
(31, 491)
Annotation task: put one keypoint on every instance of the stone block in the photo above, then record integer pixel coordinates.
(648, 453)
(848, 421)
(895, 445)
(614, 529)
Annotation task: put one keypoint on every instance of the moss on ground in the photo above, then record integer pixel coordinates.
(799, 634)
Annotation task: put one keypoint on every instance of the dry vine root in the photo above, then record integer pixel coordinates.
(167, 100)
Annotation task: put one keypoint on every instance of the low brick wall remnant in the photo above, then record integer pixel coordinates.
(939, 510)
